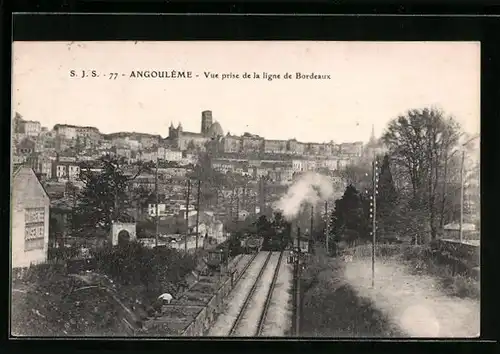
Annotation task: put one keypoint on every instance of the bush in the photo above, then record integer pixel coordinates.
(463, 286)
(133, 264)
(39, 273)
(63, 253)
(452, 273)
(381, 250)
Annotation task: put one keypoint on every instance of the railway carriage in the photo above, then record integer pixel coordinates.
(253, 244)
(304, 246)
(215, 260)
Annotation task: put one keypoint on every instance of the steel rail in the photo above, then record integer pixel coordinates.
(267, 304)
(249, 297)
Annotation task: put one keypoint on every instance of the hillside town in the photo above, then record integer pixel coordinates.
(262, 169)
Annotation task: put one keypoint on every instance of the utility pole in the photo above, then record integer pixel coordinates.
(157, 216)
(311, 232)
(237, 205)
(297, 285)
(187, 216)
(374, 216)
(198, 213)
(326, 228)
(461, 231)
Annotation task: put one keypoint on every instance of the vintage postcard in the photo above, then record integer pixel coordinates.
(245, 189)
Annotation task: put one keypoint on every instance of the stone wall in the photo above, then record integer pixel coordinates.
(467, 253)
(207, 316)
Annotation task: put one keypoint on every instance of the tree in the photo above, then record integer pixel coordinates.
(357, 175)
(141, 197)
(191, 146)
(104, 198)
(263, 225)
(349, 219)
(420, 142)
(387, 200)
(282, 227)
(211, 181)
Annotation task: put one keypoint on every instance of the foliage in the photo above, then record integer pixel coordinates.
(349, 219)
(132, 264)
(387, 201)
(141, 197)
(263, 225)
(331, 307)
(211, 181)
(421, 143)
(104, 198)
(63, 253)
(357, 175)
(145, 229)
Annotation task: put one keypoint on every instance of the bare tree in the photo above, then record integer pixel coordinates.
(420, 142)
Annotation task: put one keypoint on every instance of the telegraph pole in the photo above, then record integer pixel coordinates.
(157, 216)
(373, 204)
(198, 213)
(187, 215)
(297, 285)
(461, 226)
(326, 228)
(237, 205)
(311, 232)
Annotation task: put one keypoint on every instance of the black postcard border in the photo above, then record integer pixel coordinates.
(176, 27)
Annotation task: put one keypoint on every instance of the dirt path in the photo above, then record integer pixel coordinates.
(413, 302)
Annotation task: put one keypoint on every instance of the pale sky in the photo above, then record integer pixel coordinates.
(371, 83)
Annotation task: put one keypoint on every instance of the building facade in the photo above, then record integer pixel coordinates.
(29, 219)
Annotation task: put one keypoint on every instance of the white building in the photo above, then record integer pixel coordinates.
(173, 155)
(29, 219)
(162, 209)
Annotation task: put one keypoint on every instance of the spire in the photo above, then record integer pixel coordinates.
(372, 137)
(171, 124)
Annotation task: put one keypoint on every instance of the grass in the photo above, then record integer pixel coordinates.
(42, 306)
(423, 260)
(331, 307)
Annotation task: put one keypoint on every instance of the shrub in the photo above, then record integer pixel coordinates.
(463, 286)
(134, 264)
(63, 253)
(40, 272)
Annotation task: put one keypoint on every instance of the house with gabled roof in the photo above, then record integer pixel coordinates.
(30, 205)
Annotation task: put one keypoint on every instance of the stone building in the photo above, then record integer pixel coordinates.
(29, 219)
(183, 140)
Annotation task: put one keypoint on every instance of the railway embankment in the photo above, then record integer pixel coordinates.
(194, 312)
(408, 299)
(330, 306)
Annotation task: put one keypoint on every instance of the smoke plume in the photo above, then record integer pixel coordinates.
(309, 189)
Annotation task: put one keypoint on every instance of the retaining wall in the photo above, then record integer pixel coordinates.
(467, 253)
(207, 316)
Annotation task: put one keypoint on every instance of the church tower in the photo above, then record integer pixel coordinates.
(171, 131)
(206, 122)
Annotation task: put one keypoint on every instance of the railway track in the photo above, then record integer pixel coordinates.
(250, 321)
(270, 293)
(247, 265)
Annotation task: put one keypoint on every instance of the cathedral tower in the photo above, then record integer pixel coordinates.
(206, 121)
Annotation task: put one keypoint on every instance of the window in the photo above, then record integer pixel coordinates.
(34, 228)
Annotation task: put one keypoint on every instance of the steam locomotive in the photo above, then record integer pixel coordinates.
(252, 244)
